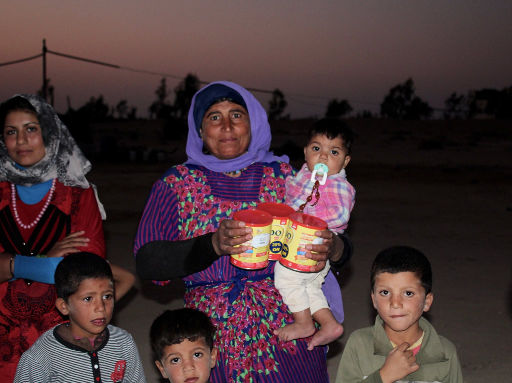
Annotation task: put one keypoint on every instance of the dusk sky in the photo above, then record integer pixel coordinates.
(312, 50)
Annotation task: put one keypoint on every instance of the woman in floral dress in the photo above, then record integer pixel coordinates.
(186, 231)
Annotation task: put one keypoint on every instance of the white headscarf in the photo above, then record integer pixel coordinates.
(63, 159)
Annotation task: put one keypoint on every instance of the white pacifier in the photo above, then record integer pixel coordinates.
(322, 171)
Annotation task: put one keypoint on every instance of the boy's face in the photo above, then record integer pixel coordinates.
(187, 361)
(89, 308)
(400, 301)
(333, 153)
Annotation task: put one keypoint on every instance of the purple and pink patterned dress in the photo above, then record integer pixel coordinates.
(245, 307)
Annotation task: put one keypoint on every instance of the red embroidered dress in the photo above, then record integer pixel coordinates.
(244, 305)
(27, 309)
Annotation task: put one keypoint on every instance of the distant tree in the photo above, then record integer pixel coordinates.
(95, 110)
(402, 103)
(505, 108)
(183, 96)
(338, 109)
(79, 121)
(122, 109)
(132, 113)
(277, 105)
(364, 114)
(455, 107)
(160, 108)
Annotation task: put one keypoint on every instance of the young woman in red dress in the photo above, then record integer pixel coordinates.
(48, 209)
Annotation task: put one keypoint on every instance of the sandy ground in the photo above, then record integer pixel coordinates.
(442, 193)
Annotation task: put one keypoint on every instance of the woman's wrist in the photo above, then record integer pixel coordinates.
(35, 268)
(342, 253)
(11, 265)
(337, 249)
(207, 242)
(214, 243)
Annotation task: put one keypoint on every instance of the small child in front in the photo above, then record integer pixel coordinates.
(182, 344)
(402, 345)
(87, 348)
(329, 143)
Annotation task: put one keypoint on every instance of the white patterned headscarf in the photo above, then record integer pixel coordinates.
(63, 159)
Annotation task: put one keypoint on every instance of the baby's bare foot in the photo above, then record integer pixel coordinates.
(295, 331)
(327, 334)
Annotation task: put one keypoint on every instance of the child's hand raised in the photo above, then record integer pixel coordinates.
(399, 363)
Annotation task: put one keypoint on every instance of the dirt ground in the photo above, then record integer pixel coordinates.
(446, 192)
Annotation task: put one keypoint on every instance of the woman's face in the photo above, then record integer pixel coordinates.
(226, 130)
(23, 138)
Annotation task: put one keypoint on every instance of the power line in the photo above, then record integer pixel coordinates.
(167, 75)
(293, 97)
(160, 74)
(21, 60)
(115, 66)
(84, 59)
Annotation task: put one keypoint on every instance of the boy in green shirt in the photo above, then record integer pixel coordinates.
(402, 345)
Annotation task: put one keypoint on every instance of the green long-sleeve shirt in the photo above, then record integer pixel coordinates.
(367, 349)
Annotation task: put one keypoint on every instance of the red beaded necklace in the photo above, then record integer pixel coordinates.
(314, 191)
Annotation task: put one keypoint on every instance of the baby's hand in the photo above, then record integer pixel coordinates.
(320, 252)
(399, 363)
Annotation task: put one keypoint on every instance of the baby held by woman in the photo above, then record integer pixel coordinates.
(332, 199)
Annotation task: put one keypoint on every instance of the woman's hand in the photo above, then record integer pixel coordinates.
(229, 234)
(6, 267)
(69, 244)
(330, 248)
(123, 280)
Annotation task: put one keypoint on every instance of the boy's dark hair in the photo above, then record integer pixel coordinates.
(76, 267)
(332, 128)
(174, 326)
(402, 259)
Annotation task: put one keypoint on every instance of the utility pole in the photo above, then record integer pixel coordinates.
(44, 89)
